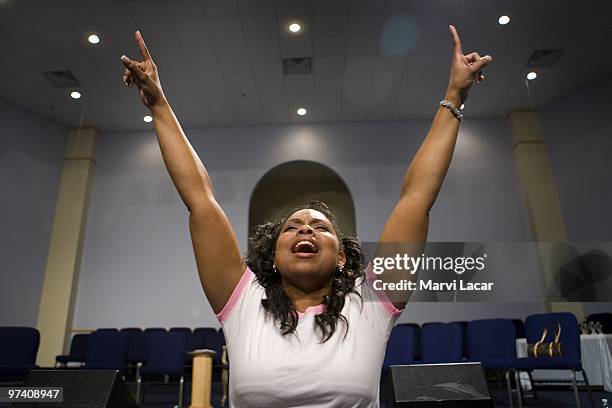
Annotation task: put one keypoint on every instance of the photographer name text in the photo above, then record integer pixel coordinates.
(430, 285)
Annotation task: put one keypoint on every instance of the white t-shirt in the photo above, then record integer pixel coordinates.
(268, 369)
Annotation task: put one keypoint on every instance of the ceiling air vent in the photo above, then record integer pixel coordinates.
(297, 66)
(62, 79)
(544, 58)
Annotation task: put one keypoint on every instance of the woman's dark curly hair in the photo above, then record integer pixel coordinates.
(260, 258)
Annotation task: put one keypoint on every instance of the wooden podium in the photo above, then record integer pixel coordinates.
(201, 378)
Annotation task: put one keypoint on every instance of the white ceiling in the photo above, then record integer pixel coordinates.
(220, 60)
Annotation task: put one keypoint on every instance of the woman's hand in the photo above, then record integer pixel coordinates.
(144, 75)
(465, 70)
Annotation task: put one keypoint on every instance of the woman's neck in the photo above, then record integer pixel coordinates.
(305, 297)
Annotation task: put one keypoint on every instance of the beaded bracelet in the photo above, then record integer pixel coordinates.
(456, 112)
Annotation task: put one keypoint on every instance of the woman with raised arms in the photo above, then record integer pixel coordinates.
(301, 326)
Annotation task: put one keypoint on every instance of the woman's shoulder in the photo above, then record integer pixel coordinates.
(247, 291)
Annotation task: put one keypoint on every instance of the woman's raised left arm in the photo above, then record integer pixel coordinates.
(408, 223)
(410, 218)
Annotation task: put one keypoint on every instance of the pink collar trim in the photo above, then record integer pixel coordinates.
(317, 309)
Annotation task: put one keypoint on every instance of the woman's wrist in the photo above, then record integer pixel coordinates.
(454, 96)
(160, 106)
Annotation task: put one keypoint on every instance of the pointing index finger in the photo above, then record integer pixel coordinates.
(144, 52)
(456, 39)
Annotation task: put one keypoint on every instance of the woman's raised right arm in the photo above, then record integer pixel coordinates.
(216, 248)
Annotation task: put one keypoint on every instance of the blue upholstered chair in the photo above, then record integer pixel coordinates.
(441, 343)
(18, 349)
(208, 338)
(129, 330)
(199, 339)
(186, 330)
(463, 325)
(107, 350)
(492, 342)
(519, 328)
(400, 347)
(78, 348)
(136, 344)
(136, 349)
(417, 339)
(570, 345)
(189, 333)
(165, 356)
(155, 330)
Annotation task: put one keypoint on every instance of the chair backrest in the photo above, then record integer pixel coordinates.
(604, 318)
(195, 341)
(489, 339)
(570, 332)
(137, 344)
(208, 338)
(442, 343)
(464, 325)
(78, 346)
(154, 329)
(401, 346)
(129, 330)
(417, 340)
(181, 329)
(165, 352)
(200, 336)
(107, 350)
(519, 328)
(18, 346)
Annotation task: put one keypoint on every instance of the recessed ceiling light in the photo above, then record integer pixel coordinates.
(295, 27)
(462, 106)
(75, 95)
(503, 20)
(532, 75)
(147, 119)
(94, 39)
(302, 111)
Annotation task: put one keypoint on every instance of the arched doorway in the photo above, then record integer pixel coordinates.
(293, 183)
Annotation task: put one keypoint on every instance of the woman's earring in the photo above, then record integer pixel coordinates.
(274, 268)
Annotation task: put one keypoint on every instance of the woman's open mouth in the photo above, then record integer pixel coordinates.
(305, 249)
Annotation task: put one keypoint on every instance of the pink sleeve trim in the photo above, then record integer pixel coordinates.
(246, 278)
(387, 305)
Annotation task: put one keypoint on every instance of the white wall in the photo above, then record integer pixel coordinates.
(578, 131)
(138, 265)
(31, 156)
